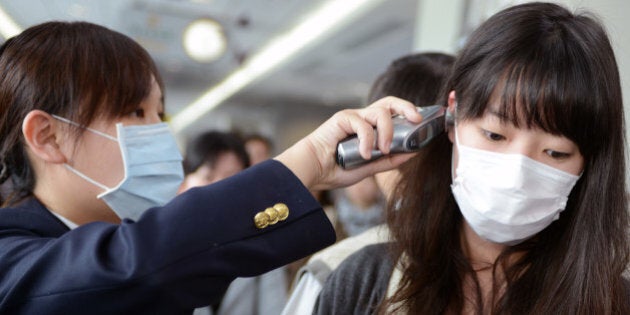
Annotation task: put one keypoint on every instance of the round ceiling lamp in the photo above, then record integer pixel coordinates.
(204, 40)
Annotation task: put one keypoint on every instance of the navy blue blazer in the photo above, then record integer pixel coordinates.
(173, 259)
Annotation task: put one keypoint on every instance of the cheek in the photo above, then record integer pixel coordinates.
(99, 158)
(575, 166)
(471, 137)
(109, 160)
(201, 177)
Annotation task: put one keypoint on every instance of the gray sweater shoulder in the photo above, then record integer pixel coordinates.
(359, 284)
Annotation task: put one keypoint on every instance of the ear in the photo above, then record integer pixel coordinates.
(41, 133)
(452, 103)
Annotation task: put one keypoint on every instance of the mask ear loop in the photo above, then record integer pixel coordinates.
(70, 122)
(450, 123)
(72, 169)
(85, 177)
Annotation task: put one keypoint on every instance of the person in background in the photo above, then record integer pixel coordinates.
(520, 208)
(417, 78)
(210, 157)
(258, 147)
(91, 222)
(358, 207)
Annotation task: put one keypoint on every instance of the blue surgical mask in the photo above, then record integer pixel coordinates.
(152, 164)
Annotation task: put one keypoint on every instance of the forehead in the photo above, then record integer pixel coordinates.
(256, 144)
(227, 160)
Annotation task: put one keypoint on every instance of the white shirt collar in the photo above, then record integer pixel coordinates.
(71, 225)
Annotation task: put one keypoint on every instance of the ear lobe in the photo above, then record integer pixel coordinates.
(41, 134)
(452, 103)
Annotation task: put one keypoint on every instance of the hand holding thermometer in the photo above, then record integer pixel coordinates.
(408, 137)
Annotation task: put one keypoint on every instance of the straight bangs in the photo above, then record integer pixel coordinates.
(544, 95)
(549, 79)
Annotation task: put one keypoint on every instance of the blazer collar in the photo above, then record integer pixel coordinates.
(34, 216)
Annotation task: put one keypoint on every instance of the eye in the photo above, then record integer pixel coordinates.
(492, 136)
(557, 154)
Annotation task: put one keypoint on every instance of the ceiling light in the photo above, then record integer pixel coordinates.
(8, 27)
(330, 16)
(204, 40)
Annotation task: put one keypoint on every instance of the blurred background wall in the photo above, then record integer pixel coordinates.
(281, 67)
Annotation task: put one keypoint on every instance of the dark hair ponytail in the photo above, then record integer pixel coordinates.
(16, 180)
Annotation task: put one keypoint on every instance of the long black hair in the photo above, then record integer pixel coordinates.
(553, 70)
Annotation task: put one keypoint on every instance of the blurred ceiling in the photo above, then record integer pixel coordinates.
(336, 70)
(295, 97)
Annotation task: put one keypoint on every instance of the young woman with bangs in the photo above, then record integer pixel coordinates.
(520, 208)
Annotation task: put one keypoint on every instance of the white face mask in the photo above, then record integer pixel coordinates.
(152, 164)
(507, 198)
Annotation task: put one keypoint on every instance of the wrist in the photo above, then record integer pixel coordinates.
(302, 161)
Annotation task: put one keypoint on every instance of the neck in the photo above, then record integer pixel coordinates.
(480, 252)
(75, 203)
(482, 255)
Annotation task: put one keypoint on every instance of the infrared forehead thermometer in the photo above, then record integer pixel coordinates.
(408, 137)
